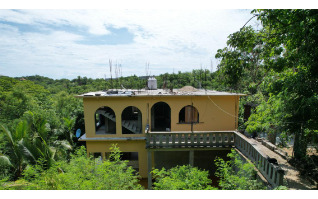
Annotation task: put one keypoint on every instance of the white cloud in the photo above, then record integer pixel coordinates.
(168, 39)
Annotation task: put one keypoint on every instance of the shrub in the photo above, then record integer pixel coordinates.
(84, 173)
(236, 175)
(183, 177)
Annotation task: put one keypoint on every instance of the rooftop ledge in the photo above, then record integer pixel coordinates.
(84, 138)
(158, 92)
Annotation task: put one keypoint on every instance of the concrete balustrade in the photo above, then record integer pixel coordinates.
(214, 139)
(273, 173)
(195, 139)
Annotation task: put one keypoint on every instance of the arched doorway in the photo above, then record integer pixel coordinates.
(105, 121)
(160, 117)
(131, 120)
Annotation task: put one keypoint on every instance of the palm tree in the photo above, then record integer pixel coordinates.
(37, 146)
(14, 158)
(29, 144)
(69, 123)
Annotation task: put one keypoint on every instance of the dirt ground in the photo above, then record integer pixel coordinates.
(289, 150)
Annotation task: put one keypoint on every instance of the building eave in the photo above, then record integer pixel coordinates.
(84, 138)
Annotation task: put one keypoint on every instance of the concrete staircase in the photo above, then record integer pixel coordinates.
(125, 123)
(106, 114)
(131, 127)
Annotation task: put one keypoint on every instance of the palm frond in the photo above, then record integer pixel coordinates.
(41, 128)
(29, 151)
(66, 145)
(21, 130)
(53, 150)
(4, 160)
(69, 122)
(8, 133)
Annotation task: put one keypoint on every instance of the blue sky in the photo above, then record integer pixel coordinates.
(67, 43)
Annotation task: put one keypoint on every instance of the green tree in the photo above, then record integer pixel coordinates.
(279, 63)
(241, 61)
(270, 117)
(295, 33)
(236, 175)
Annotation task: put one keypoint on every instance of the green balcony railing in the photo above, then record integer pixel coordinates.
(189, 139)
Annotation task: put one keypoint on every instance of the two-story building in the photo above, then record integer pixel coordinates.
(147, 124)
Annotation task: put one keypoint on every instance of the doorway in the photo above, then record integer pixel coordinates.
(160, 117)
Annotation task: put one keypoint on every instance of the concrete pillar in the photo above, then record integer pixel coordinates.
(280, 177)
(118, 122)
(149, 170)
(139, 123)
(191, 157)
(152, 126)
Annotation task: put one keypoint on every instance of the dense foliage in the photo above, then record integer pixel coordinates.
(277, 66)
(35, 123)
(81, 173)
(237, 175)
(183, 177)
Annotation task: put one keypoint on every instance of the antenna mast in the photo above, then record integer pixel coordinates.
(147, 73)
(111, 75)
(116, 74)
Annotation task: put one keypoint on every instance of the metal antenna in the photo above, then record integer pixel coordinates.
(116, 74)
(211, 66)
(147, 72)
(111, 75)
(120, 74)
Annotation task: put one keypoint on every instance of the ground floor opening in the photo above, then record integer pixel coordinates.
(202, 159)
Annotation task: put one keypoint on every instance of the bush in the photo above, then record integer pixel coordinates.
(84, 173)
(236, 175)
(183, 177)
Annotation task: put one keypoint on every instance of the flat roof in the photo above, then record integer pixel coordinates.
(185, 91)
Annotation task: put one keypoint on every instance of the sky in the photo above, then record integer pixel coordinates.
(66, 43)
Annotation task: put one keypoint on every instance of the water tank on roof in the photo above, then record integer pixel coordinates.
(152, 83)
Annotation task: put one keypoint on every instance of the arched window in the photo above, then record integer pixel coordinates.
(105, 121)
(188, 114)
(131, 120)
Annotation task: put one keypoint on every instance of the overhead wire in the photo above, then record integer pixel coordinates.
(221, 108)
(301, 122)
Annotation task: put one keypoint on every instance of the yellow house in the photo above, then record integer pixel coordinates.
(142, 122)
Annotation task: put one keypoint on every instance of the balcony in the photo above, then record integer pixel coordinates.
(216, 140)
(224, 139)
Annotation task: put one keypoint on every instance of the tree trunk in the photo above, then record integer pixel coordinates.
(300, 145)
(271, 136)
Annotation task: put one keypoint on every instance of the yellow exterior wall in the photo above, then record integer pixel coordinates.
(124, 146)
(211, 118)
(118, 104)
